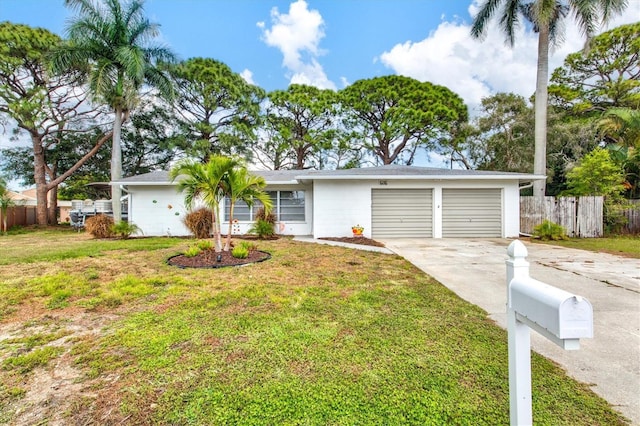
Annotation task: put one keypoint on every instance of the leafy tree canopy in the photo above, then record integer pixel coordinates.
(44, 105)
(596, 174)
(396, 115)
(505, 127)
(604, 76)
(302, 119)
(218, 108)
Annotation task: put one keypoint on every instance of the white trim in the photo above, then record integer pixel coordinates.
(430, 178)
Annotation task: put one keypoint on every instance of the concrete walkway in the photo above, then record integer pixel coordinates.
(610, 362)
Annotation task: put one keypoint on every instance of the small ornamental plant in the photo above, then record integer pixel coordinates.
(357, 230)
(548, 230)
(124, 230)
(204, 244)
(192, 251)
(240, 252)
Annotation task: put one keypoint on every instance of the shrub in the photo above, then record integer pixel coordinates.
(548, 230)
(199, 222)
(192, 251)
(124, 229)
(262, 228)
(99, 226)
(262, 214)
(240, 252)
(614, 218)
(204, 244)
(248, 245)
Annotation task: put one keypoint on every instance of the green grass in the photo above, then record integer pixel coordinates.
(622, 245)
(58, 244)
(317, 335)
(27, 362)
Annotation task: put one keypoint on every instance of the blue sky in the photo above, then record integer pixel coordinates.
(332, 43)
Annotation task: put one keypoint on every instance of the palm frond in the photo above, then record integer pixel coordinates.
(481, 20)
(509, 20)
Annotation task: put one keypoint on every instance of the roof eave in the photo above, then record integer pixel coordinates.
(521, 177)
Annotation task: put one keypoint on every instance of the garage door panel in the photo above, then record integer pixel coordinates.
(401, 213)
(472, 212)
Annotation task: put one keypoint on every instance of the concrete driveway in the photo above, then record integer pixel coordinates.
(610, 362)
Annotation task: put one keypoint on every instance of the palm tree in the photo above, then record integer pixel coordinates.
(240, 185)
(621, 125)
(204, 182)
(108, 44)
(546, 17)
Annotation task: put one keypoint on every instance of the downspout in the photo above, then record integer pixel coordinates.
(520, 188)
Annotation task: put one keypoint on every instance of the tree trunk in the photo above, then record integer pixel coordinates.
(217, 239)
(40, 177)
(541, 103)
(116, 165)
(53, 206)
(227, 244)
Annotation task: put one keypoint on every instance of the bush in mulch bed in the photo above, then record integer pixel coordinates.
(209, 259)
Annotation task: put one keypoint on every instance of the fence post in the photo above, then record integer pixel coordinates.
(520, 411)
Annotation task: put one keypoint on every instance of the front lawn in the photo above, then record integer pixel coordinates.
(104, 332)
(625, 245)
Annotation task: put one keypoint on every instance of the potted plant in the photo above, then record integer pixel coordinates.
(357, 230)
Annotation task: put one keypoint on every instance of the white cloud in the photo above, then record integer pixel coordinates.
(297, 35)
(474, 69)
(247, 75)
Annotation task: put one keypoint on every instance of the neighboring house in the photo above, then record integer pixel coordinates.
(22, 199)
(388, 201)
(28, 198)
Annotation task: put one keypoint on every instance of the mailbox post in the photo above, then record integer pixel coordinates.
(558, 315)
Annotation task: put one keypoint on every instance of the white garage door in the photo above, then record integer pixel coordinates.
(399, 213)
(471, 212)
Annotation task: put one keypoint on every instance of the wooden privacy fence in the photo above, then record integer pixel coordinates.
(20, 216)
(632, 215)
(579, 216)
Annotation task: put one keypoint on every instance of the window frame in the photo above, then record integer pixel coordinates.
(277, 206)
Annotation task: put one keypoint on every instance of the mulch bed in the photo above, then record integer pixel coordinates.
(364, 241)
(209, 259)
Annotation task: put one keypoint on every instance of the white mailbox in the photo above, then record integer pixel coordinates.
(558, 315)
(555, 311)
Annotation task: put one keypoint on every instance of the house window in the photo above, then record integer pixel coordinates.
(288, 206)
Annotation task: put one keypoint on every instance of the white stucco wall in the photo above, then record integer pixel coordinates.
(331, 207)
(338, 205)
(149, 209)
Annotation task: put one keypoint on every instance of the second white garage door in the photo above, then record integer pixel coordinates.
(397, 213)
(471, 212)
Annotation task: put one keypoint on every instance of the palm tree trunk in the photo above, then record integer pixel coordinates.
(216, 230)
(116, 165)
(541, 102)
(227, 244)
